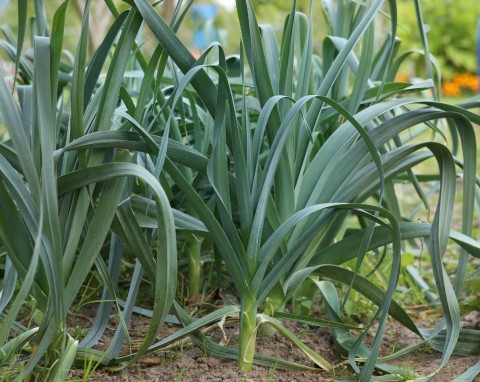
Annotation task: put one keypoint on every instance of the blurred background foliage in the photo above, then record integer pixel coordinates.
(452, 41)
(100, 19)
(451, 26)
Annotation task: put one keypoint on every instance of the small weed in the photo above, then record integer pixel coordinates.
(406, 371)
(340, 371)
(271, 374)
(179, 376)
(303, 331)
(88, 368)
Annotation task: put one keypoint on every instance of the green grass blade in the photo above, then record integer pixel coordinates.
(8, 285)
(111, 88)
(178, 52)
(125, 314)
(237, 265)
(469, 150)
(56, 47)
(14, 233)
(345, 249)
(13, 346)
(21, 196)
(362, 77)
(146, 87)
(22, 27)
(264, 88)
(49, 198)
(192, 327)
(468, 340)
(335, 69)
(13, 120)
(219, 351)
(62, 368)
(285, 85)
(101, 55)
(304, 73)
(105, 307)
(438, 244)
(423, 37)
(145, 212)
(314, 321)
(94, 238)
(272, 55)
(143, 142)
(40, 20)
(22, 294)
(78, 83)
(368, 289)
(135, 238)
(316, 358)
(254, 50)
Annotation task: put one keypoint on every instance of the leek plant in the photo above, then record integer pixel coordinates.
(302, 146)
(269, 155)
(58, 207)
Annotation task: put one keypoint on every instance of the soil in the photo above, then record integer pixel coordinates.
(188, 363)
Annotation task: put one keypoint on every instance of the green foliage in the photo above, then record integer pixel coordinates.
(451, 33)
(279, 163)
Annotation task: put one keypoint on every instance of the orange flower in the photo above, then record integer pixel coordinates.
(467, 81)
(402, 78)
(473, 83)
(451, 89)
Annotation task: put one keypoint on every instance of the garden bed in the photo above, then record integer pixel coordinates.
(188, 363)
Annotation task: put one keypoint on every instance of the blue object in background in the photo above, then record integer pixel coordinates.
(204, 11)
(202, 17)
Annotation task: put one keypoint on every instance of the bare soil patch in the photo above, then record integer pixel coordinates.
(188, 363)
